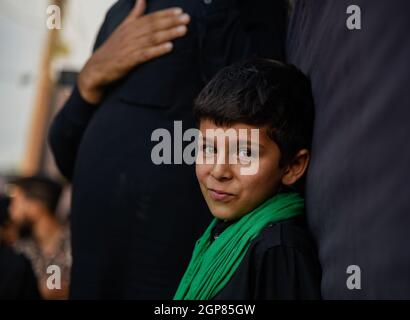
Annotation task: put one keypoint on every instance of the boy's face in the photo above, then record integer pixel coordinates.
(228, 192)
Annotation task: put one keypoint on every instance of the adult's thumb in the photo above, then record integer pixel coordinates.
(139, 8)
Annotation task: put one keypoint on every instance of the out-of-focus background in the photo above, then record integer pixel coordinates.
(35, 65)
(38, 68)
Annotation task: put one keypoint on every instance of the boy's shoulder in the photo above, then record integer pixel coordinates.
(292, 233)
(281, 263)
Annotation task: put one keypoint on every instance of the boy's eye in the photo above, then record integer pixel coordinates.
(208, 149)
(245, 153)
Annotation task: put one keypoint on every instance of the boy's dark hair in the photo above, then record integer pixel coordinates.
(40, 188)
(262, 92)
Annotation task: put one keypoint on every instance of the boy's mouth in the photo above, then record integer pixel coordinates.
(219, 195)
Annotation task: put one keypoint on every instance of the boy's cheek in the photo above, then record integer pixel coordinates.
(204, 192)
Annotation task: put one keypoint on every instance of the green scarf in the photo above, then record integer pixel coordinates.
(213, 263)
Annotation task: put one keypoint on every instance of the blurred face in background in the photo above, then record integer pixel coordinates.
(19, 206)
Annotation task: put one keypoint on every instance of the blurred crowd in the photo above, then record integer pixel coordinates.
(35, 255)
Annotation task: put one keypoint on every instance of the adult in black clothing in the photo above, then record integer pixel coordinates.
(134, 223)
(358, 200)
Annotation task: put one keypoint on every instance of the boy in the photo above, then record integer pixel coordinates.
(258, 246)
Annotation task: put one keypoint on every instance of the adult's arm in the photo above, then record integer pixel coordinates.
(137, 38)
(70, 123)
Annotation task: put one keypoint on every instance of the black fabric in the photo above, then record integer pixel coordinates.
(358, 200)
(280, 264)
(134, 224)
(17, 279)
(67, 131)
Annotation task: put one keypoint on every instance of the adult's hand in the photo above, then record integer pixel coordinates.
(139, 38)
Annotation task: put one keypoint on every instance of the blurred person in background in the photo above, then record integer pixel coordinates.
(45, 240)
(10, 231)
(17, 279)
(134, 223)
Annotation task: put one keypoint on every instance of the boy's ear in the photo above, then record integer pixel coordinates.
(296, 168)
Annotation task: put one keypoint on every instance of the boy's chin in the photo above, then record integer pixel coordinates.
(226, 214)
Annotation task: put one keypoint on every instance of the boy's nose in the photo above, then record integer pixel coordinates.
(221, 170)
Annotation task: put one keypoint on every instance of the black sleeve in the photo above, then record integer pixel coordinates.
(287, 273)
(67, 130)
(70, 123)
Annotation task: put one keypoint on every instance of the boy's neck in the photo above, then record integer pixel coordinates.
(220, 227)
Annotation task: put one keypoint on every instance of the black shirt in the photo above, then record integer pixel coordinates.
(280, 264)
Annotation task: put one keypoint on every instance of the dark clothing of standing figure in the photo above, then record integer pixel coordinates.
(134, 223)
(357, 198)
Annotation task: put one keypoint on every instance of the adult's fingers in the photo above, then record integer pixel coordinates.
(149, 53)
(156, 38)
(135, 13)
(139, 8)
(150, 24)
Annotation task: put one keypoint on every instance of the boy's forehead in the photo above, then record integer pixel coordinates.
(209, 124)
(210, 127)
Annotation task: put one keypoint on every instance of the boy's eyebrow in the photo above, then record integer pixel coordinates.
(240, 141)
(248, 142)
(207, 139)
